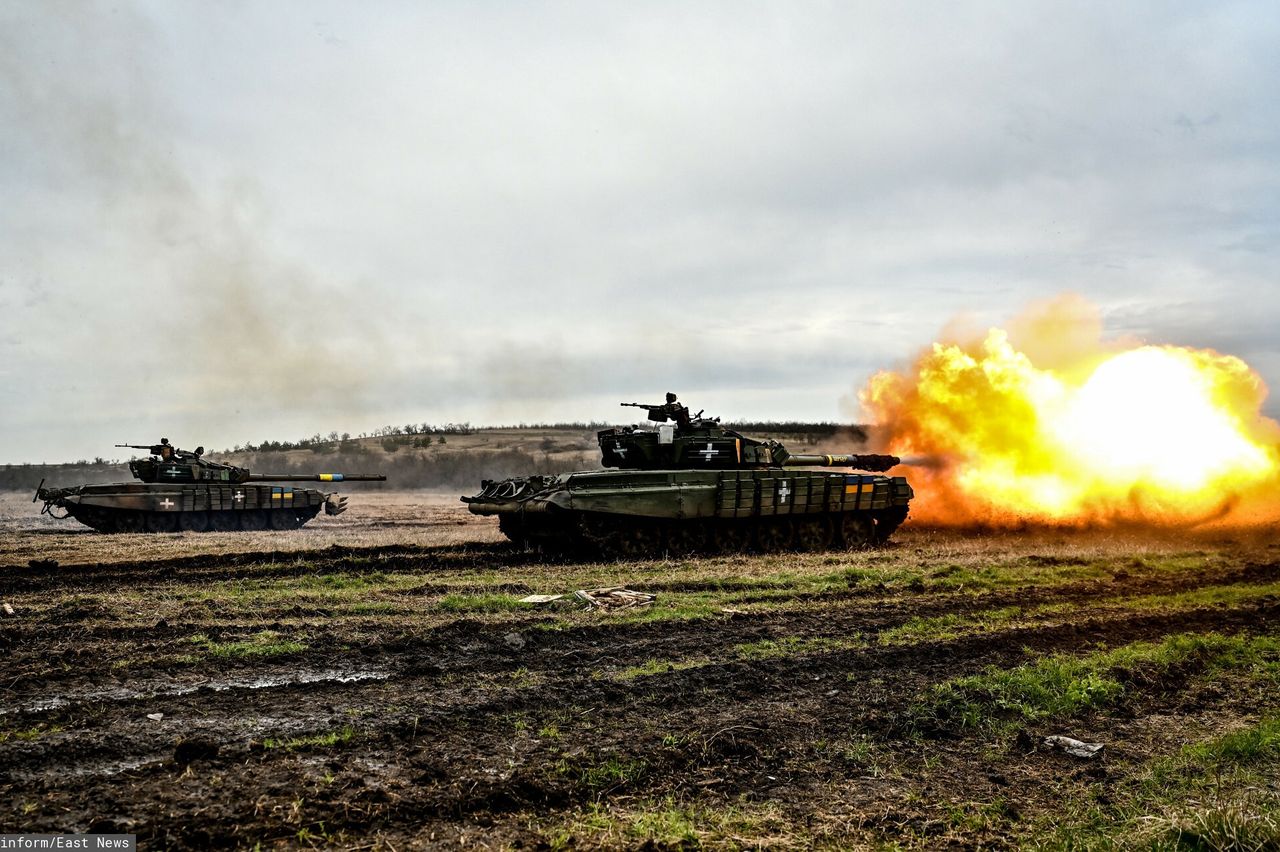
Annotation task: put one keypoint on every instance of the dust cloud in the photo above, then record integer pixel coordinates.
(229, 319)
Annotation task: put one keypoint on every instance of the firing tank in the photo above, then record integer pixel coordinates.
(692, 486)
(182, 490)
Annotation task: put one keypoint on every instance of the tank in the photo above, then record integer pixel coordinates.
(695, 486)
(182, 490)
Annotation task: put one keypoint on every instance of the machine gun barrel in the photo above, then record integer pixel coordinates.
(136, 446)
(637, 405)
(317, 477)
(871, 461)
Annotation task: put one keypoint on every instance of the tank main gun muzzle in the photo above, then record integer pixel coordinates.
(869, 461)
(317, 477)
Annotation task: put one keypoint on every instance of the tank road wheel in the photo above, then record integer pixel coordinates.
(775, 535)
(94, 519)
(128, 522)
(252, 520)
(637, 539)
(597, 534)
(685, 538)
(284, 519)
(888, 522)
(193, 521)
(856, 531)
(305, 515)
(162, 522)
(814, 533)
(224, 521)
(512, 526)
(731, 536)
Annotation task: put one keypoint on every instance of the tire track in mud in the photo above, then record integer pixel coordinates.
(632, 643)
(731, 683)
(737, 721)
(269, 564)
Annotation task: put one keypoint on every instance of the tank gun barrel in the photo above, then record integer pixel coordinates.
(317, 477)
(868, 461)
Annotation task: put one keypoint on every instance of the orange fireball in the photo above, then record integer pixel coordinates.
(1084, 432)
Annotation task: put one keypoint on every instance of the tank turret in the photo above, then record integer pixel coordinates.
(170, 464)
(705, 445)
(182, 490)
(689, 484)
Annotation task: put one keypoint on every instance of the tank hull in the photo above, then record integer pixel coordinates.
(633, 512)
(194, 507)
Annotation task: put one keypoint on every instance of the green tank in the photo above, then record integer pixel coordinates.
(693, 485)
(182, 490)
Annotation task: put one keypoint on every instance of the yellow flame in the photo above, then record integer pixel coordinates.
(1108, 432)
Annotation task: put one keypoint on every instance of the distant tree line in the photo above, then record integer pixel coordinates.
(343, 452)
(332, 438)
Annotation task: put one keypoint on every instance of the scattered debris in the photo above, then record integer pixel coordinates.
(514, 641)
(614, 597)
(8, 608)
(541, 599)
(155, 717)
(1074, 747)
(43, 563)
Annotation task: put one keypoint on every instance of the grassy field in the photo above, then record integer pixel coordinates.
(372, 681)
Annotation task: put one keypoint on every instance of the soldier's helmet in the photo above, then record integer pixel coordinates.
(671, 397)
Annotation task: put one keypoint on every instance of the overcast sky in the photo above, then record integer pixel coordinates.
(229, 221)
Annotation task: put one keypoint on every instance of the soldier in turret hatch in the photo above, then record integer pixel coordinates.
(670, 410)
(676, 411)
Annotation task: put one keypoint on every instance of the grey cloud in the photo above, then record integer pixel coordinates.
(353, 216)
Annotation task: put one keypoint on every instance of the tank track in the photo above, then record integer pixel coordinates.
(124, 520)
(631, 537)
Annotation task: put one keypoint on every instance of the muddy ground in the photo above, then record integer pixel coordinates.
(371, 681)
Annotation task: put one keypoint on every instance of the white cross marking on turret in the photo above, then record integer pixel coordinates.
(708, 452)
(239, 495)
(621, 451)
(783, 492)
(167, 503)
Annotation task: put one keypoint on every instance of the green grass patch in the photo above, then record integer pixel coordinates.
(1259, 742)
(265, 643)
(27, 735)
(1061, 685)
(327, 739)
(600, 775)
(669, 823)
(791, 646)
(480, 603)
(949, 626)
(1215, 794)
(655, 666)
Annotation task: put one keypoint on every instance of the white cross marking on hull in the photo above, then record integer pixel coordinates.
(621, 451)
(708, 452)
(167, 503)
(239, 495)
(783, 492)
